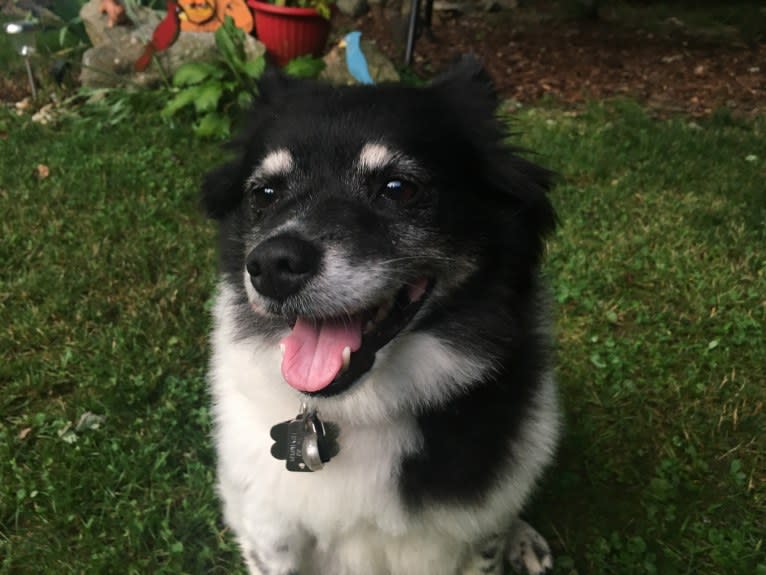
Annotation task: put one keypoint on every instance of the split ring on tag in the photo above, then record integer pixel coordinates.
(313, 432)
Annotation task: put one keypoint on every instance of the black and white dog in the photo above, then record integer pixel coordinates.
(380, 289)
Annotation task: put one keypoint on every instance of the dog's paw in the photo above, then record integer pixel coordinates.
(528, 553)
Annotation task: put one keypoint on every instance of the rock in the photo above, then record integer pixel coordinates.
(109, 63)
(353, 8)
(97, 24)
(381, 68)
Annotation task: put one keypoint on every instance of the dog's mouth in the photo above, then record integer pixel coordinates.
(326, 356)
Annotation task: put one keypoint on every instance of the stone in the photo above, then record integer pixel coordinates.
(353, 8)
(109, 63)
(99, 32)
(380, 66)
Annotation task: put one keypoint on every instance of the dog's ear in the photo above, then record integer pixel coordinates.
(468, 94)
(467, 88)
(222, 189)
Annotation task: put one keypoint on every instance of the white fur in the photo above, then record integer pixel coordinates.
(374, 156)
(276, 163)
(352, 507)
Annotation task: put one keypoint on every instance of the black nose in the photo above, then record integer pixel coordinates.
(281, 266)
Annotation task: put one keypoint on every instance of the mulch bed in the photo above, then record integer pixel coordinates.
(577, 60)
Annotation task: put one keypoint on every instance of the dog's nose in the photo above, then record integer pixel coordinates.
(281, 266)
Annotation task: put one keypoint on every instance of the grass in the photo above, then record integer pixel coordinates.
(660, 275)
(659, 272)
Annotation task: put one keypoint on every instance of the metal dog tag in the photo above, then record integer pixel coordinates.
(304, 442)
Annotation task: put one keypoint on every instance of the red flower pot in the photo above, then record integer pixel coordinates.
(289, 32)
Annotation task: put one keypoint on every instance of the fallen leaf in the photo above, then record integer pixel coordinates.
(89, 420)
(67, 434)
(24, 432)
(43, 171)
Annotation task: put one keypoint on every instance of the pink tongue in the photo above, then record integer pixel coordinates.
(314, 351)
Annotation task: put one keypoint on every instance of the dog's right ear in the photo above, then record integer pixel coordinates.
(222, 189)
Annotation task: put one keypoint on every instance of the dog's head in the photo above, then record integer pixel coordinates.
(363, 223)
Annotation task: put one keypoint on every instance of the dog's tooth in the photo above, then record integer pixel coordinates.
(282, 348)
(346, 355)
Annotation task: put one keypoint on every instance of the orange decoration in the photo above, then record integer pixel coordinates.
(208, 15)
(197, 12)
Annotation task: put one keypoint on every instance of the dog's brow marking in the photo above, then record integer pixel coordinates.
(276, 163)
(374, 156)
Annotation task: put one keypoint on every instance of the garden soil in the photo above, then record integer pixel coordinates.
(576, 60)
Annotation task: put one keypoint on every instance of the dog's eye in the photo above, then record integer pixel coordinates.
(262, 197)
(399, 191)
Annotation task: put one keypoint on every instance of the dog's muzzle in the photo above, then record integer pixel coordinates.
(326, 355)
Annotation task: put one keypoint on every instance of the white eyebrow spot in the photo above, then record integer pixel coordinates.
(276, 163)
(374, 157)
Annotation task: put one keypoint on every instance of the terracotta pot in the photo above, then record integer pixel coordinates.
(289, 32)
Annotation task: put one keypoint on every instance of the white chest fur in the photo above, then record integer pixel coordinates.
(357, 487)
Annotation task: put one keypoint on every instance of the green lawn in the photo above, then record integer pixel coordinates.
(659, 269)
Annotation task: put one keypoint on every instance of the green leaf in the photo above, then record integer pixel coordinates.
(323, 10)
(208, 96)
(244, 100)
(229, 40)
(184, 98)
(195, 72)
(213, 125)
(254, 68)
(304, 67)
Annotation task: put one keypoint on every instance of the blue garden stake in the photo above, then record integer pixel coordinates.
(355, 60)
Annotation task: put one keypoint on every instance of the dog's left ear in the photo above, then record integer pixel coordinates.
(468, 89)
(470, 98)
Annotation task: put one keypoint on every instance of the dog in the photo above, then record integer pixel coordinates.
(381, 369)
